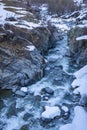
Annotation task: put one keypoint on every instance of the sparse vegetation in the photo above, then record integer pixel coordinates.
(58, 6)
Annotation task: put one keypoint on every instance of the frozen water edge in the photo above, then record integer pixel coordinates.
(79, 121)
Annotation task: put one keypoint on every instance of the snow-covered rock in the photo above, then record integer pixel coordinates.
(79, 121)
(82, 38)
(81, 81)
(65, 109)
(24, 89)
(51, 112)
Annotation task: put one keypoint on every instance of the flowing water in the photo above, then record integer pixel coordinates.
(24, 112)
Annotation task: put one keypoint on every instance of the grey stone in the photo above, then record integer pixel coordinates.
(27, 116)
(47, 90)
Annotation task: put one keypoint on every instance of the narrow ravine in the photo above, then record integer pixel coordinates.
(25, 111)
(49, 103)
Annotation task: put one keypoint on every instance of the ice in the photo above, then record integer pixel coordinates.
(79, 121)
(51, 112)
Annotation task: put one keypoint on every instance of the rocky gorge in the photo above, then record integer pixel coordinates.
(39, 54)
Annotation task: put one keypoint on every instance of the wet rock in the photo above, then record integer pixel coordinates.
(47, 90)
(55, 34)
(25, 127)
(11, 19)
(46, 97)
(57, 81)
(78, 48)
(27, 116)
(76, 97)
(1, 104)
(37, 98)
(12, 110)
(83, 101)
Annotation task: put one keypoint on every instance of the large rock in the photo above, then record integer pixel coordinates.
(78, 45)
(42, 37)
(21, 63)
(39, 36)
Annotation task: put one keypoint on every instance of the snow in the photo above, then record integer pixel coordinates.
(81, 72)
(31, 48)
(4, 13)
(82, 26)
(59, 23)
(81, 81)
(65, 108)
(78, 2)
(51, 112)
(79, 121)
(81, 38)
(24, 89)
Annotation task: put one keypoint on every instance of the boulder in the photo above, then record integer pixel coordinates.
(43, 38)
(20, 62)
(77, 44)
(39, 36)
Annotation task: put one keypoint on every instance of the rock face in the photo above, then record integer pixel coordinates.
(78, 44)
(21, 54)
(40, 36)
(20, 62)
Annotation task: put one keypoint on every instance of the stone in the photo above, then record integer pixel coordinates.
(20, 66)
(37, 98)
(25, 127)
(47, 90)
(12, 110)
(27, 116)
(2, 104)
(83, 101)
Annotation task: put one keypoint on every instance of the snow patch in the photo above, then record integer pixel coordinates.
(31, 48)
(51, 112)
(65, 108)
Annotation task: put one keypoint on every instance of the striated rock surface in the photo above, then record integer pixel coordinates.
(21, 63)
